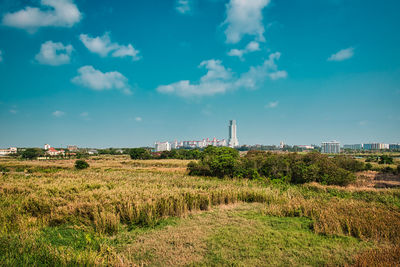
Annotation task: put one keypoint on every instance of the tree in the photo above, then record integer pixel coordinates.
(384, 159)
(139, 153)
(31, 153)
(81, 164)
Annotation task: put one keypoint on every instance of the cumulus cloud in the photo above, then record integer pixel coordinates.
(342, 54)
(138, 119)
(1, 56)
(220, 79)
(54, 54)
(250, 47)
(244, 17)
(94, 79)
(183, 6)
(217, 80)
(257, 75)
(58, 113)
(103, 46)
(272, 104)
(52, 13)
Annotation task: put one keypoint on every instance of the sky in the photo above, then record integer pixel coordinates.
(129, 73)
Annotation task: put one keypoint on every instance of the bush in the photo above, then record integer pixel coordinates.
(81, 164)
(216, 161)
(292, 167)
(4, 169)
(31, 153)
(384, 159)
(368, 166)
(139, 153)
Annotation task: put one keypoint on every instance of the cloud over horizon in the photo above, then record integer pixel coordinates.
(342, 54)
(244, 17)
(54, 54)
(99, 81)
(52, 13)
(103, 46)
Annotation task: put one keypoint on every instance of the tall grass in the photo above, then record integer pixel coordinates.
(114, 193)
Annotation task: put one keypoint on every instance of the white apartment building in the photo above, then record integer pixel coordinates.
(332, 147)
(162, 146)
(5, 152)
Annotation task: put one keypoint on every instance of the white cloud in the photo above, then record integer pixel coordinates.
(102, 45)
(342, 54)
(183, 6)
(1, 56)
(94, 79)
(272, 104)
(219, 79)
(54, 54)
(55, 13)
(256, 75)
(84, 114)
(13, 111)
(138, 119)
(244, 17)
(250, 47)
(58, 113)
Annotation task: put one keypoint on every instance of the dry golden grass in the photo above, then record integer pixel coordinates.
(116, 192)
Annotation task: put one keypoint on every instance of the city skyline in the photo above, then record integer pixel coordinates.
(117, 74)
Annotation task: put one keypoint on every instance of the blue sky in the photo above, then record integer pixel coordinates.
(129, 73)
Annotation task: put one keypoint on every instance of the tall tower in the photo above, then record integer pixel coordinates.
(233, 141)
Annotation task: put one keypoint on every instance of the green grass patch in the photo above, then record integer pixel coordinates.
(276, 241)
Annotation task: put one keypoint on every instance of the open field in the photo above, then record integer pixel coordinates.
(123, 212)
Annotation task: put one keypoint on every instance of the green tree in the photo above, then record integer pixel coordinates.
(31, 153)
(139, 153)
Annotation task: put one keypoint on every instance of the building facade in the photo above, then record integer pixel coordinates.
(332, 147)
(5, 152)
(233, 141)
(162, 146)
(376, 146)
(354, 147)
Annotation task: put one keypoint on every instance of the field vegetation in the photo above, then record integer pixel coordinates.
(126, 212)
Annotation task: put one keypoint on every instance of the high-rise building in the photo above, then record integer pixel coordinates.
(331, 147)
(162, 146)
(233, 141)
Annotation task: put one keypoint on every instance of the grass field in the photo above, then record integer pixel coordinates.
(124, 213)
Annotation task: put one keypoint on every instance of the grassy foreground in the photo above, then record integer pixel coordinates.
(122, 212)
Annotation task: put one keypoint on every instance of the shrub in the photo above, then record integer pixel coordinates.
(292, 167)
(4, 169)
(368, 166)
(81, 164)
(384, 159)
(31, 153)
(139, 153)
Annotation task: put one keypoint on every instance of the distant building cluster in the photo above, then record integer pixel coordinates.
(232, 142)
(372, 146)
(51, 151)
